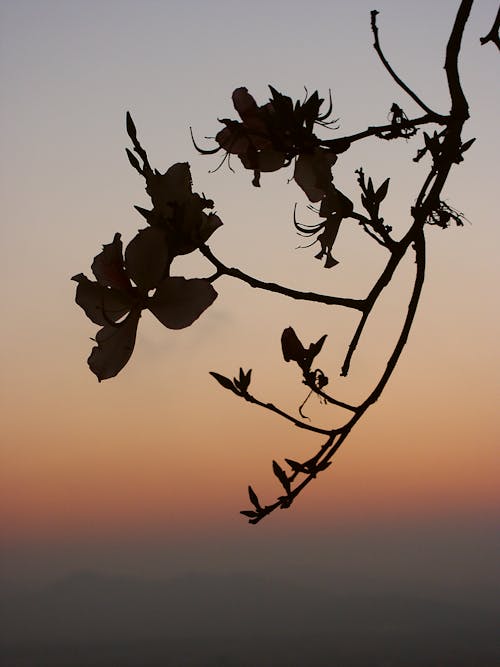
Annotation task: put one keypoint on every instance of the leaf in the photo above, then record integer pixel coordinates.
(178, 301)
(144, 212)
(146, 258)
(244, 380)
(223, 380)
(315, 349)
(465, 147)
(249, 513)
(133, 160)
(381, 193)
(295, 465)
(253, 498)
(292, 348)
(101, 304)
(131, 129)
(282, 476)
(115, 344)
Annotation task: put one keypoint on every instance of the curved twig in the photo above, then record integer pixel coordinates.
(388, 67)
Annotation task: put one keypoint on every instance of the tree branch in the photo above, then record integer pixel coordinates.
(393, 74)
(269, 406)
(377, 130)
(323, 458)
(492, 36)
(459, 106)
(222, 269)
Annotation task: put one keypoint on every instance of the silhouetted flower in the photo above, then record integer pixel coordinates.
(334, 207)
(178, 210)
(270, 136)
(116, 299)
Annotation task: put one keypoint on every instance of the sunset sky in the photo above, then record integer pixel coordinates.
(148, 471)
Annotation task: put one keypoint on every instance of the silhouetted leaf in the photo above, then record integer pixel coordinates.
(243, 381)
(295, 465)
(178, 301)
(249, 513)
(253, 498)
(282, 476)
(223, 380)
(133, 161)
(465, 146)
(131, 129)
(144, 212)
(381, 193)
(315, 348)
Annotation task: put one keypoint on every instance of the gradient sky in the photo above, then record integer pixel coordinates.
(105, 475)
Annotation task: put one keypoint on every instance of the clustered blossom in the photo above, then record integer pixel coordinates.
(128, 283)
(271, 136)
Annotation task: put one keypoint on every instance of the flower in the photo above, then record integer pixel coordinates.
(178, 210)
(121, 291)
(270, 136)
(334, 207)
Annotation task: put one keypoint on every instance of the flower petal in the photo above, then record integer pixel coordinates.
(115, 344)
(108, 266)
(292, 348)
(178, 301)
(313, 173)
(175, 185)
(101, 304)
(233, 139)
(146, 258)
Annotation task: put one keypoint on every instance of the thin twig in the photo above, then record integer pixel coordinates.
(222, 269)
(492, 36)
(377, 130)
(269, 406)
(388, 67)
(330, 448)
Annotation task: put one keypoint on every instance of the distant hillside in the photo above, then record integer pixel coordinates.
(240, 621)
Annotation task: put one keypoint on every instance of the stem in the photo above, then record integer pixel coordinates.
(356, 304)
(393, 74)
(273, 408)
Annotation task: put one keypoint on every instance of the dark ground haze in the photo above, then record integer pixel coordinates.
(237, 620)
(403, 596)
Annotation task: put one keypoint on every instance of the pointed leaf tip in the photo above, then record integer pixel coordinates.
(223, 380)
(131, 129)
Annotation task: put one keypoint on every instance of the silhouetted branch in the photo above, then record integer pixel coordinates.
(223, 270)
(378, 130)
(393, 74)
(493, 36)
(459, 107)
(267, 138)
(322, 460)
(300, 424)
